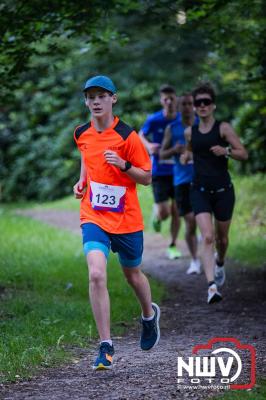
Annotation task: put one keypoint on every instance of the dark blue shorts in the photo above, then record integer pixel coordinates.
(182, 197)
(129, 246)
(163, 188)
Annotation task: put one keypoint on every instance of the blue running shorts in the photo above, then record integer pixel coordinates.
(129, 246)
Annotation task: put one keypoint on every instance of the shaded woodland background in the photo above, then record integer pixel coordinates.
(48, 49)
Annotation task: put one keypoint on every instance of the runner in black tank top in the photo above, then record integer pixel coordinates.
(210, 171)
(212, 193)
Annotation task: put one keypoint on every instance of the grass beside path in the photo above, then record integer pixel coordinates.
(43, 294)
(256, 393)
(248, 230)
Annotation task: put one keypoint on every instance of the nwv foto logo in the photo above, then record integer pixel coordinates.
(227, 367)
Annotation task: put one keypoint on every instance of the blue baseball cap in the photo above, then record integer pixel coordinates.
(100, 81)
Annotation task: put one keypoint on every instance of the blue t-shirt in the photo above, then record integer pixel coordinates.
(153, 129)
(182, 173)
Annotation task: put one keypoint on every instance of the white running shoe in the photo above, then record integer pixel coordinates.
(219, 275)
(194, 267)
(213, 295)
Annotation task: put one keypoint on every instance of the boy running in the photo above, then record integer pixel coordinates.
(113, 160)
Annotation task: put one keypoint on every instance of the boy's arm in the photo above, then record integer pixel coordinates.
(153, 148)
(166, 150)
(187, 155)
(137, 174)
(79, 187)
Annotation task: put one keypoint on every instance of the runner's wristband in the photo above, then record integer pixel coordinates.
(228, 151)
(128, 165)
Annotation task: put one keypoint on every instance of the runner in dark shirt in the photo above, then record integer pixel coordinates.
(211, 143)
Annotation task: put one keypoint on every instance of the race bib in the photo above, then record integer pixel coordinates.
(107, 197)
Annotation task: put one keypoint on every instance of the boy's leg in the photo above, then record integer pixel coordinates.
(192, 243)
(175, 225)
(191, 237)
(150, 334)
(96, 246)
(161, 194)
(130, 247)
(141, 286)
(99, 296)
(100, 304)
(163, 210)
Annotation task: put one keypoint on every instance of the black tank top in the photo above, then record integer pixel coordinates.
(210, 171)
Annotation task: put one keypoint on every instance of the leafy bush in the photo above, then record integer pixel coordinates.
(251, 125)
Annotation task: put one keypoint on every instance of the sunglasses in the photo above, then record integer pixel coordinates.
(205, 101)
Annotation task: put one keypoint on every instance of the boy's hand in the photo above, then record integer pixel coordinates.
(179, 148)
(154, 148)
(183, 159)
(113, 158)
(78, 189)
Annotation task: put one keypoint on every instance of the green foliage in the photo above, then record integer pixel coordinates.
(43, 289)
(38, 154)
(250, 122)
(47, 55)
(236, 36)
(23, 25)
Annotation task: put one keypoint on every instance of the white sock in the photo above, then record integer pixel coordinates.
(147, 318)
(109, 341)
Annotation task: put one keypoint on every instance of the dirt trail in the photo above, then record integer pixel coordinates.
(186, 321)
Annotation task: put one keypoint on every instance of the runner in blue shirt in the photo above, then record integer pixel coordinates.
(173, 145)
(152, 133)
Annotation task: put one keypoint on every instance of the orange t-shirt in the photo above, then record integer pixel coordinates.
(121, 138)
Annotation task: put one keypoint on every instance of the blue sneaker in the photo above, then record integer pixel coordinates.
(150, 334)
(105, 357)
